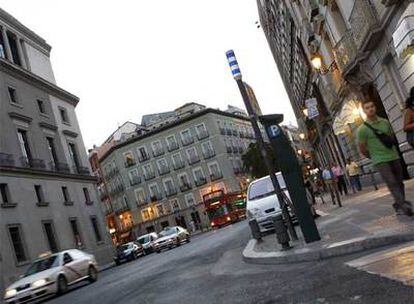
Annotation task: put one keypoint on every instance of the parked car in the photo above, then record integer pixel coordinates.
(262, 202)
(52, 274)
(147, 241)
(128, 252)
(171, 237)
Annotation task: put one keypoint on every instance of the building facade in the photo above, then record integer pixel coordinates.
(159, 178)
(353, 49)
(48, 198)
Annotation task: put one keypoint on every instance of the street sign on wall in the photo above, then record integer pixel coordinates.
(312, 107)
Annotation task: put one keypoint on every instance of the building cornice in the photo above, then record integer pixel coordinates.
(21, 117)
(70, 133)
(48, 126)
(25, 172)
(13, 22)
(38, 82)
(171, 125)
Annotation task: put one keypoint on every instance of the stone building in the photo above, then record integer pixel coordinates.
(48, 199)
(357, 50)
(159, 178)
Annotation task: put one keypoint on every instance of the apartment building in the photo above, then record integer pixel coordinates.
(48, 199)
(357, 50)
(158, 178)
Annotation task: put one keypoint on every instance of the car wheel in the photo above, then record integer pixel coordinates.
(188, 239)
(62, 285)
(133, 256)
(117, 263)
(157, 251)
(92, 274)
(177, 242)
(144, 253)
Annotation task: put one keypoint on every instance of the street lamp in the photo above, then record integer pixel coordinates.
(317, 64)
(305, 112)
(302, 136)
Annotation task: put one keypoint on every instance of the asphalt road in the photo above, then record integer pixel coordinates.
(210, 270)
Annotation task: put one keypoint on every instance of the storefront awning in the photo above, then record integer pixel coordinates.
(403, 36)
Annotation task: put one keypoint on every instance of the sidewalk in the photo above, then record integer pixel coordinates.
(365, 221)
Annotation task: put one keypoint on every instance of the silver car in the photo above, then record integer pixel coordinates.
(52, 274)
(147, 241)
(171, 237)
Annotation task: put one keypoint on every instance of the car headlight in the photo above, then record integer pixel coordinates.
(39, 283)
(10, 293)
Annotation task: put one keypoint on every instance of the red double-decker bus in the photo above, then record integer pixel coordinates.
(224, 209)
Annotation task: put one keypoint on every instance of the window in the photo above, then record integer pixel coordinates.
(87, 197)
(24, 145)
(208, 150)
(39, 194)
(41, 106)
(5, 194)
(17, 243)
(125, 202)
(192, 155)
(65, 193)
(160, 210)
(64, 115)
(201, 131)
(74, 156)
(154, 192)
(148, 172)
(169, 187)
(171, 143)
(199, 176)
(75, 231)
(175, 206)
(142, 154)
(189, 199)
(50, 236)
(13, 47)
(177, 161)
(163, 166)
(157, 148)
(186, 137)
(215, 171)
(12, 95)
(52, 151)
(96, 230)
(134, 177)
(184, 182)
(2, 48)
(129, 159)
(140, 196)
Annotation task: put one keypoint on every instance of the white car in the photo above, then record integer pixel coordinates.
(262, 202)
(52, 274)
(147, 241)
(171, 237)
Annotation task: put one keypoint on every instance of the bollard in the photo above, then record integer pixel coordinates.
(254, 228)
(281, 232)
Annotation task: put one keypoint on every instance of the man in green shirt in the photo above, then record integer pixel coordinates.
(385, 158)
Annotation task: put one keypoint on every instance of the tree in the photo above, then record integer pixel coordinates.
(253, 161)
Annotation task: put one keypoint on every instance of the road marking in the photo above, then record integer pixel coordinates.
(395, 263)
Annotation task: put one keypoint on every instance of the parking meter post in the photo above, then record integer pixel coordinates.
(281, 233)
(255, 229)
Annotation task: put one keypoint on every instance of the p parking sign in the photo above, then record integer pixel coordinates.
(273, 131)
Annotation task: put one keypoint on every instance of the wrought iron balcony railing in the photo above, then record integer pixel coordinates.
(185, 187)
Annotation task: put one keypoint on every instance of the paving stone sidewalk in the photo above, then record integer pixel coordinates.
(365, 221)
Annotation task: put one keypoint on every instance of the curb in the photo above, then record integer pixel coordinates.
(328, 251)
(106, 267)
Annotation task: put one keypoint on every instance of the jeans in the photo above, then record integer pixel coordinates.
(342, 185)
(392, 174)
(355, 182)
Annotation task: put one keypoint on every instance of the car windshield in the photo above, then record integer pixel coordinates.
(167, 231)
(264, 187)
(42, 265)
(124, 247)
(143, 239)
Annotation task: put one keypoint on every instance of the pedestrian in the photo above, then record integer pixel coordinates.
(409, 118)
(192, 226)
(376, 141)
(309, 188)
(330, 184)
(352, 168)
(340, 179)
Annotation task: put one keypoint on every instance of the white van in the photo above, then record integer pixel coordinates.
(262, 202)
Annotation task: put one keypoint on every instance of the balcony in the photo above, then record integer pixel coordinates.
(209, 154)
(185, 187)
(170, 192)
(157, 152)
(178, 165)
(193, 160)
(172, 146)
(345, 51)
(142, 158)
(363, 22)
(187, 141)
(216, 176)
(200, 181)
(81, 170)
(6, 160)
(149, 175)
(202, 134)
(135, 180)
(34, 163)
(142, 202)
(163, 170)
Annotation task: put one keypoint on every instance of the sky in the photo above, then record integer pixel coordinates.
(128, 58)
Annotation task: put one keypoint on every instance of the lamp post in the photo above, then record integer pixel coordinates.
(235, 70)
